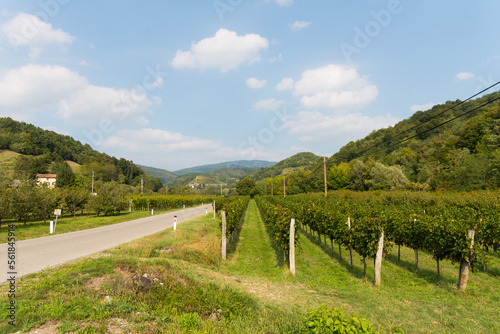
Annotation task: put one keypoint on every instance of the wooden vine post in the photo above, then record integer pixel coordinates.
(378, 259)
(292, 247)
(465, 264)
(224, 242)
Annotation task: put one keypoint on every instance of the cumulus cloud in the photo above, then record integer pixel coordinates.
(464, 76)
(156, 140)
(256, 83)
(315, 126)
(269, 104)
(225, 51)
(298, 25)
(31, 89)
(332, 87)
(26, 30)
(93, 103)
(422, 107)
(285, 84)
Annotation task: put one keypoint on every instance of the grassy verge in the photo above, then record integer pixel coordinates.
(39, 228)
(151, 285)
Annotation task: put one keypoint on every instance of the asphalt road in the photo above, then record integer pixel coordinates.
(37, 254)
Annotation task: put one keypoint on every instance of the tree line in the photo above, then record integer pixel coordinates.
(43, 151)
(28, 201)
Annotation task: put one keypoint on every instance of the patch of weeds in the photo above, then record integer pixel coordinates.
(164, 321)
(90, 329)
(30, 322)
(154, 253)
(67, 326)
(189, 321)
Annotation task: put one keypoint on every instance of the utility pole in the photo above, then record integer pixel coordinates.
(221, 190)
(284, 186)
(272, 186)
(324, 169)
(142, 185)
(92, 181)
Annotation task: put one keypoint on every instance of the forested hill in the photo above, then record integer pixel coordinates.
(43, 151)
(463, 154)
(296, 163)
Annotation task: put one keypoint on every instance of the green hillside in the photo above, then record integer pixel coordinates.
(27, 150)
(162, 174)
(463, 154)
(223, 165)
(453, 146)
(298, 162)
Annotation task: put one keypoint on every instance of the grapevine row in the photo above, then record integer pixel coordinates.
(234, 207)
(168, 201)
(436, 223)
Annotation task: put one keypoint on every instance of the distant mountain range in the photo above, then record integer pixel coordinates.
(222, 173)
(228, 164)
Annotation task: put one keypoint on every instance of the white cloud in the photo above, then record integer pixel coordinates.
(33, 89)
(284, 2)
(93, 104)
(255, 83)
(298, 25)
(422, 107)
(269, 104)
(285, 84)
(225, 51)
(158, 141)
(464, 76)
(332, 87)
(26, 30)
(315, 126)
(275, 59)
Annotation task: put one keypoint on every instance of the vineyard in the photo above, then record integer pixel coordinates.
(234, 208)
(463, 228)
(168, 202)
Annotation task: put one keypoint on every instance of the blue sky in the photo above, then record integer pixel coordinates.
(174, 84)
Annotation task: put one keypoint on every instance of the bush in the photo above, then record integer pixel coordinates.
(332, 321)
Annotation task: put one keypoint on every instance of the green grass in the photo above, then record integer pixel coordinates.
(91, 295)
(37, 228)
(7, 159)
(193, 291)
(416, 300)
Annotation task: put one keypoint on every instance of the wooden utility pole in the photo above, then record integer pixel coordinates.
(324, 170)
(92, 181)
(142, 185)
(284, 186)
(272, 186)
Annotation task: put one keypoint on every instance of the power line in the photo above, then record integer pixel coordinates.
(430, 119)
(433, 128)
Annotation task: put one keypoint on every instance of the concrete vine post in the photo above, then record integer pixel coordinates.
(292, 247)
